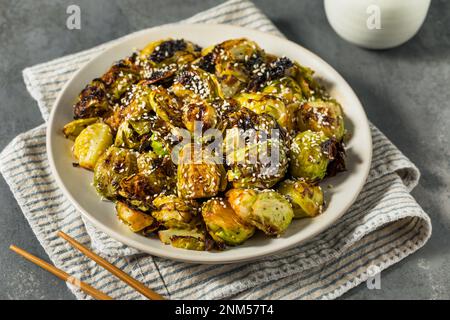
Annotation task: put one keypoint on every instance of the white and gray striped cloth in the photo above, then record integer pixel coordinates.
(383, 226)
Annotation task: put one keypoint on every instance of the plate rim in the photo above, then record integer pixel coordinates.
(213, 259)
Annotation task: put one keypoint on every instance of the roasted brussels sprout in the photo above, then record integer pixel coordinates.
(91, 143)
(120, 77)
(155, 175)
(306, 199)
(223, 224)
(74, 128)
(92, 101)
(308, 159)
(267, 104)
(267, 210)
(111, 168)
(232, 62)
(311, 88)
(193, 84)
(174, 212)
(199, 113)
(136, 220)
(199, 176)
(183, 238)
(322, 115)
(255, 148)
(285, 89)
(166, 106)
(169, 51)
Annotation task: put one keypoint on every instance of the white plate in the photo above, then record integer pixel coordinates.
(76, 183)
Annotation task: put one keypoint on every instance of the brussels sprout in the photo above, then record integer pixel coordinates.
(184, 239)
(91, 143)
(111, 168)
(260, 165)
(74, 128)
(285, 89)
(193, 84)
(308, 159)
(120, 77)
(159, 145)
(166, 106)
(320, 115)
(223, 224)
(267, 210)
(169, 51)
(273, 69)
(267, 104)
(135, 219)
(198, 175)
(155, 175)
(174, 212)
(92, 101)
(202, 113)
(311, 89)
(232, 61)
(306, 199)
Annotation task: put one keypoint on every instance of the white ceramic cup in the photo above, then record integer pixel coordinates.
(376, 24)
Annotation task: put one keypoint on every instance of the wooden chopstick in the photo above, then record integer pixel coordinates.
(140, 287)
(61, 274)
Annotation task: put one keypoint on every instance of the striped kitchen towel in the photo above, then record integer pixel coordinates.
(383, 226)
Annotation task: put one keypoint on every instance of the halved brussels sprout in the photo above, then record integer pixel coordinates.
(267, 210)
(111, 168)
(174, 212)
(199, 113)
(74, 128)
(306, 199)
(199, 176)
(223, 224)
(193, 84)
(311, 89)
(285, 89)
(166, 106)
(91, 143)
(169, 51)
(120, 77)
(322, 115)
(184, 239)
(308, 159)
(136, 220)
(92, 101)
(259, 165)
(261, 103)
(155, 175)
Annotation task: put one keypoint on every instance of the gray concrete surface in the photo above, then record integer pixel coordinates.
(405, 92)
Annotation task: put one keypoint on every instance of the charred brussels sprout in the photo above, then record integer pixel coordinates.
(256, 151)
(267, 210)
(174, 212)
(92, 101)
(306, 199)
(285, 89)
(223, 224)
(166, 106)
(309, 160)
(193, 84)
(199, 176)
(199, 113)
(113, 166)
(91, 143)
(267, 104)
(136, 220)
(120, 77)
(155, 175)
(184, 239)
(169, 51)
(304, 76)
(74, 128)
(320, 115)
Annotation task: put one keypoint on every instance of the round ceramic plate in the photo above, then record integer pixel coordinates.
(76, 183)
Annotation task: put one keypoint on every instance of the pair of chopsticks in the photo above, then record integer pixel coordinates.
(138, 286)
